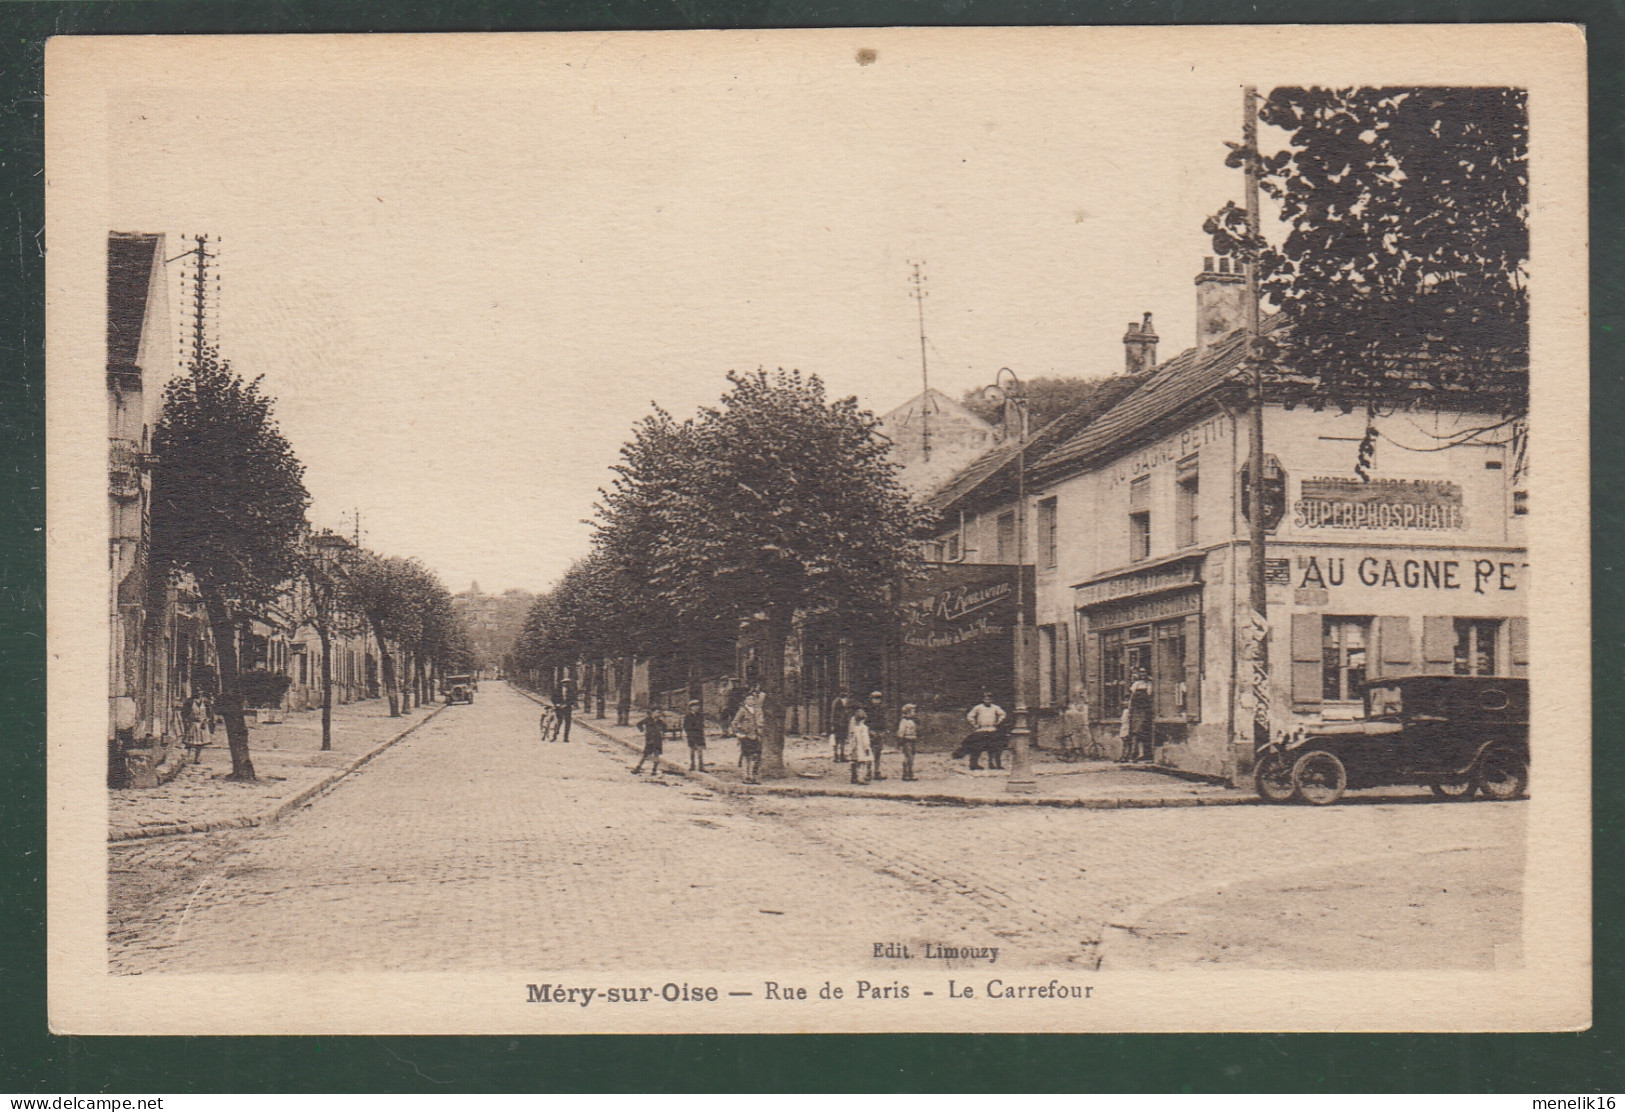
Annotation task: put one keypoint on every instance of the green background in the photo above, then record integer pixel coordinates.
(32, 1060)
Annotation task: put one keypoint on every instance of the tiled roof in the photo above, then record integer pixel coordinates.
(129, 272)
(993, 463)
(1172, 386)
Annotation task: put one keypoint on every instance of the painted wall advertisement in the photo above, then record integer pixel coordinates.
(1408, 504)
(958, 633)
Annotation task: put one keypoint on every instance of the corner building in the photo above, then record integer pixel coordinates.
(1142, 554)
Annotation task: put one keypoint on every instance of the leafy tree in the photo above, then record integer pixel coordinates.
(1047, 399)
(320, 569)
(228, 508)
(781, 501)
(1403, 267)
(654, 466)
(380, 588)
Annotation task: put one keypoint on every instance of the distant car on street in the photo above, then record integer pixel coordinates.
(1459, 735)
(459, 689)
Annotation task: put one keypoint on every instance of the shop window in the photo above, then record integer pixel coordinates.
(1007, 538)
(1475, 646)
(1139, 518)
(1187, 487)
(1169, 651)
(1343, 658)
(1047, 554)
(1168, 675)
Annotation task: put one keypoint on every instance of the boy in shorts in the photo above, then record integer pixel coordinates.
(694, 733)
(654, 740)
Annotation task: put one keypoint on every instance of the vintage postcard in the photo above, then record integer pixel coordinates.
(1046, 529)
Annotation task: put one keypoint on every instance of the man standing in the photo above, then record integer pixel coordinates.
(565, 707)
(985, 718)
(840, 723)
(876, 715)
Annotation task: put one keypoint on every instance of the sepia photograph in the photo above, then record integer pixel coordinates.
(1047, 529)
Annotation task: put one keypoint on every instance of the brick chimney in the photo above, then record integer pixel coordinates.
(1221, 301)
(1139, 347)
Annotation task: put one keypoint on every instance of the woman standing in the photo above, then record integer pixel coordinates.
(1137, 723)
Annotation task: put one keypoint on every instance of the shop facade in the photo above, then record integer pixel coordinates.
(1416, 567)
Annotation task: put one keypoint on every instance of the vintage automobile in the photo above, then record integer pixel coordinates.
(459, 689)
(1459, 735)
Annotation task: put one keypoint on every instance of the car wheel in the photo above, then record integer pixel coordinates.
(1273, 778)
(1502, 774)
(1319, 778)
(1452, 789)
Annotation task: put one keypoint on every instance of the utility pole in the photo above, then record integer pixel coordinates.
(1013, 395)
(1256, 532)
(918, 293)
(200, 279)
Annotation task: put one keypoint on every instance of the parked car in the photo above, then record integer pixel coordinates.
(1459, 735)
(459, 689)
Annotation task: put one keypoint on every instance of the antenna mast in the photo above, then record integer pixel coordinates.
(918, 293)
(200, 291)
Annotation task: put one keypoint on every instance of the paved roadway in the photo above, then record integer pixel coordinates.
(472, 846)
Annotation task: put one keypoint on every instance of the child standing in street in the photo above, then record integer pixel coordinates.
(694, 732)
(908, 738)
(654, 740)
(747, 727)
(859, 749)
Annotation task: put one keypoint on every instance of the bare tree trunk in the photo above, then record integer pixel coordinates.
(778, 630)
(326, 635)
(386, 662)
(230, 703)
(623, 704)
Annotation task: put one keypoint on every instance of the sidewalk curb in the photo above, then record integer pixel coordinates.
(1115, 803)
(277, 812)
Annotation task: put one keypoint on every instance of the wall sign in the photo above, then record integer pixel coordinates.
(958, 603)
(1144, 610)
(1274, 492)
(1147, 582)
(1171, 449)
(1417, 504)
(1422, 572)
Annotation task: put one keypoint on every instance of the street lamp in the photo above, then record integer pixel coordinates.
(331, 552)
(1008, 390)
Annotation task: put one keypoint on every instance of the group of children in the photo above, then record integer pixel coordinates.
(654, 740)
(863, 733)
(858, 736)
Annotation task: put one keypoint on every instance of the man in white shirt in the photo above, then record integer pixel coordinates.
(985, 718)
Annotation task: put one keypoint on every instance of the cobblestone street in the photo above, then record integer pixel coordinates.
(470, 845)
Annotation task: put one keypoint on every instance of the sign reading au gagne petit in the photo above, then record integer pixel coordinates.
(1422, 504)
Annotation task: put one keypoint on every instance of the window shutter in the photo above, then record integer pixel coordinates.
(1063, 662)
(1439, 640)
(1306, 658)
(1193, 668)
(1091, 673)
(1046, 665)
(1518, 645)
(1394, 639)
